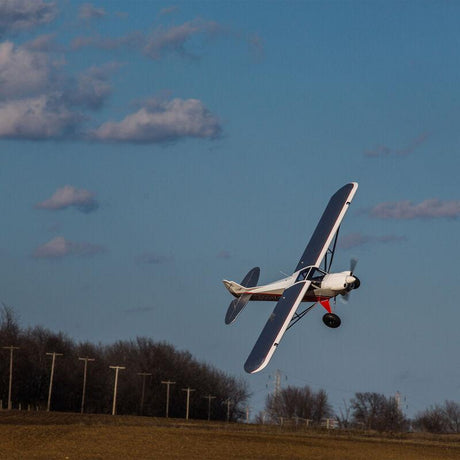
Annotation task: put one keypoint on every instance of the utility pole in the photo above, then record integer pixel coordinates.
(228, 402)
(143, 374)
(398, 400)
(114, 406)
(248, 409)
(54, 354)
(277, 383)
(167, 383)
(11, 348)
(188, 390)
(84, 382)
(209, 398)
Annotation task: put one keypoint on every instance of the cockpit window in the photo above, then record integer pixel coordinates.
(316, 275)
(303, 275)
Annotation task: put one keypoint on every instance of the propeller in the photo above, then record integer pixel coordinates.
(355, 284)
(353, 263)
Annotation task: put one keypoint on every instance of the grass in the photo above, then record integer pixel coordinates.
(42, 435)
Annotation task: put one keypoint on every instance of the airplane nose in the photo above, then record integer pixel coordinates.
(350, 279)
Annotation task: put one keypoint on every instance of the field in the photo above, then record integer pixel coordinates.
(41, 435)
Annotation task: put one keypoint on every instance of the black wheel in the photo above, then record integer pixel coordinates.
(331, 320)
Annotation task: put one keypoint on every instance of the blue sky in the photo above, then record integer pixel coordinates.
(148, 150)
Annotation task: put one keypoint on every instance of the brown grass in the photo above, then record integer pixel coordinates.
(41, 435)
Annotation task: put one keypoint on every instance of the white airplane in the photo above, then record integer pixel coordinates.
(308, 283)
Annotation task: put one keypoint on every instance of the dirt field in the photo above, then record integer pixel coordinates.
(38, 435)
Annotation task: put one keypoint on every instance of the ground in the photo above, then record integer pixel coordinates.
(41, 435)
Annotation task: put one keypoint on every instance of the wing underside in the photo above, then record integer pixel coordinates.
(275, 327)
(327, 226)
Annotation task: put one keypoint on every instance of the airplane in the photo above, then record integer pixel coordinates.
(308, 283)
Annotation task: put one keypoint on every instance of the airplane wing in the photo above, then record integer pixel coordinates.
(292, 296)
(275, 327)
(327, 226)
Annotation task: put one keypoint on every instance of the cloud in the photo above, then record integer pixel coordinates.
(88, 11)
(59, 247)
(169, 10)
(157, 44)
(406, 210)
(92, 87)
(151, 258)
(354, 240)
(162, 121)
(45, 43)
(384, 151)
(38, 118)
(134, 40)
(164, 40)
(16, 15)
(38, 100)
(22, 72)
(224, 254)
(69, 196)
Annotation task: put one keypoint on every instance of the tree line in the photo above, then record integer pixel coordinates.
(216, 394)
(367, 411)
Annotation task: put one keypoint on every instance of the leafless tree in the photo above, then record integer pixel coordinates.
(295, 402)
(377, 412)
(439, 419)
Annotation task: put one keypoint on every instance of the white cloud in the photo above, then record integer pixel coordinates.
(22, 72)
(41, 117)
(173, 39)
(38, 100)
(18, 15)
(59, 247)
(353, 240)
(92, 87)
(68, 196)
(89, 11)
(161, 121)
(428, 209)
(160, 42)
(385, 151)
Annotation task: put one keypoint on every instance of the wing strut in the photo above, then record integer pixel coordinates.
(298, 316)
(327, 268)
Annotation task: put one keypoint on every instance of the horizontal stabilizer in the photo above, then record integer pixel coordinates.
(237, 305)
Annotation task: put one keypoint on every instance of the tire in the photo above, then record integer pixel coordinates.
(331, 320)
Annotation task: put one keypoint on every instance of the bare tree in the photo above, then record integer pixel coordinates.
(295, 402)
(452, 412)
(439, 419)
(344, 415)
(377, 412)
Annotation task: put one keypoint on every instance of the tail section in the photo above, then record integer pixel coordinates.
(238, 290)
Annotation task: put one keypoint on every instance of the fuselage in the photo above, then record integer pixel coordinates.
(323, 285)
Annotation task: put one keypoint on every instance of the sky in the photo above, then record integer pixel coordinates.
(149, 150)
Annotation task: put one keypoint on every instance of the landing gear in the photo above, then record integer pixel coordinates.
(331, 320)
